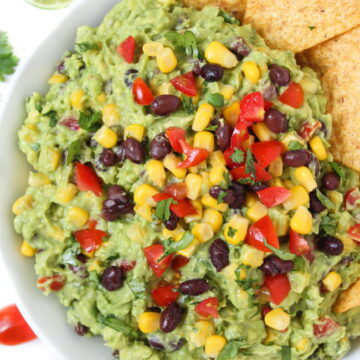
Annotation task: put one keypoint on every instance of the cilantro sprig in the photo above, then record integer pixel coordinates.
(249, 164)
(85, 46)
(8, 61)
(74, 150)
(228, 18)
(337, 169)
(162, 211)
(171, 246)
(237, 156)
(325, 200)
(90, 121)
(283, 255)
(186, 42)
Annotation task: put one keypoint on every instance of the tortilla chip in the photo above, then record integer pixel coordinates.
(234, 7)
(338, 63)
(298, 25)
(348, 299)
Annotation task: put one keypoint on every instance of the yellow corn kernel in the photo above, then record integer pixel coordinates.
(94, 265)
(302, 344)
(304, 177)
(58, 79)
(56, 232)
(170, 162)
(251, 72)
(26, 249)
(292, 137)
(66, 193)
(202, 330)
(203, 116)
(164, 89)
(204, 140)
(227, 91)
(289, 184)
(251, 199)
(213, 345)
(152, 48)
(248, 142)
(193, 183)
(251, 256)
(216, 174)
(332, 281)
(111, 115)
(309, 85)
(256, 211)
(144, 211)
(52, 157)
(189, 250)
(21, 204)
(175, 234)
(276, 167)
(213, 218)
(143, 195)
(156, 172)
(166, 60)
(149, 322)
(236, 229)
(106, 137)
(38, 179)
(101, 98)
(217, 53)
(318, 148)
(136, 131)
(231, 113)
(208, 201)
(202, 232)
(299, 196)
(301, 222)
(198, 216)
(277, 319)
(77, 99)
(276, 182)
(217, 158)
(78, 216)
(262, 132)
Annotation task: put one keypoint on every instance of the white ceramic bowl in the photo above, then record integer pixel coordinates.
(45, 315)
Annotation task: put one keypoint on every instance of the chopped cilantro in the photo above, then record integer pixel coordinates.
(8, 60)
(69, 255)
(231, 349)
(53, 117)
(283, 255)
(188, 104)
(286, 353)
(325, 200)
(231, 231)
(138, 288)
(120, 326)
(186, 41)
(90, 122)
(249, 164)
(162, 211)
(216, 100)
(228, 18)
(238, 156)
(73, 150)
(295, 145)
(171, 246)
(212, 128)
(221, 196)
(328, 225)
(85, 46)
(337, 169)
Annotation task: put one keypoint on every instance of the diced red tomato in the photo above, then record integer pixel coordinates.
(90, 239)
(239, 135)
(208, 307)
(13, 328)
(354, 232)
(186, 84)
(266, 152)
(55, 282)
(307, 130)
(183, 208)
(267, 104)
(326, 326)
(126, 49)
(263, 228)
(229, 162)
(298, 245)
(273, 195)
(174, 134)
(161, 196)
(293, 96)
(260, 173)
(165, 295)
(178, 190)
(252, 107)
(352, 199)
(153, 253)
(92, 223)
(127, 265)
(178, 262)
(279, 287)
(142, 93)
(87, 180)
(194, 155)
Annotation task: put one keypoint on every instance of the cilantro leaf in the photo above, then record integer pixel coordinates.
(90, 122)
(231, 349)
(138, 288)
(73, 150)
(186, 42)
(85, 46)
(216, 100)
(119, 326)
(238, 156)
(228, 18)
(221, 196)
(231, 231)
(8, 61)
(53, 117)
(325, 200)
(249, 164)
(283, 255)
(295, 145)
(188, 104)
(212, 128)
(286, 353)
(69, 255)
(328, 225)
(171, 246)
(337, 169)
(162, 211)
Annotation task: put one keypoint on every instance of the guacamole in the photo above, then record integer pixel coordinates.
(184, 201)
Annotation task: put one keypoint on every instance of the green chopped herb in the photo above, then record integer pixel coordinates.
(205, 88)
(221, 196)
(283, 255)
(237, 156)
(212, 128)
(228, 18)
(120, 326)
(53, 117)
(295, 145)
(328, 225)
(188, 104)
(171, 246)
(286, 353)
(38, 107)
(90, 122)
(162, 211)
(74, 150)
(312, 27)
(231, 349)
(337, 169)
(35, 147)
(325, 200)
(8, 61)
(85, 46)
(186, 42)
(138, 288)
(231, 231)
(249, 181)
(249, 164)
(246, 284)
(216, 100)
(299, 264)
(69, 255)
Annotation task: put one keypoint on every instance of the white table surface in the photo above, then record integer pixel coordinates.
(26, 27)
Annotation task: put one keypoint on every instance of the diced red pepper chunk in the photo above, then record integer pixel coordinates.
(194, 155)
(186, 84)
(126, 49)
(208, 307)
(278, 286)
(87, 180)
(298, 245)
(293, 95)
(165, 295)
(175, 134)
(153, 254)
(90, 239)
(266, 152)
(252, 107)
(273, 195)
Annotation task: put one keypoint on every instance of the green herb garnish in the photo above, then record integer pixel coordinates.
(286, 353)
(120, 326)
(237, 156)
(138, 288)
(283, 255)
(249, 164)
(90, 122)
(8, 60)
(221, 196)
(186, 41)
(231, 231)
(85, 46)
(228, 18)
(337, 169)
(171, 246)
(216, 100)
(162, 211)
(295, 145)
(53, 117)
(212, 128)
(328, 225)
(188, 104)
(74, 150)
(325, 200)
(69, 255)
(231, 349)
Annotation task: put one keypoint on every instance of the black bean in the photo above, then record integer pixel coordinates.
(61, 69)
(171, 317)
(117, 192)
(257, 187)
(160, 147)
(215, 191)
(276, 121)
(108, 158)
(316, 205)
(119, 150)
(194, 287)
(164, 105)
(81, 329)
(82, 258)
(219, 254)
(274, 266)
(270, 93)
(330, 245)
(154, 309)
(116, 353)
(237, 188)
(296, 158)
(130, 76)
(330, 181)
(240, 48)
(347, 260)
(196, 70)
(279, 75)
(112, 278)
(229, 197)
(156, 344)
(212, 72)
(223, 136)
(134, 150)
(112, 209)
(171, 223)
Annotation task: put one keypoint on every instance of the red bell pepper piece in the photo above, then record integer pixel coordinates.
(178, 262)
(13, 328)
(240, 134)
(260, 173)
(266, 152)
(90, 239)
(178, 190)
(183, 208)
(325, 327)
(273, 195)
(194, 156)
(352, 199)
(141, 92)
(165, 295)
(186, 84)
(208, 307)
(55, 282)
(161, 196)
(307, 130)
(263, 228)
(354, 232)
(126, 49)
(293, 95)
(298, 245)
(230, 163)
(174, 134)
(153, 253)
(267, 104)
(252, 107)
(87, 180)
(278, 286)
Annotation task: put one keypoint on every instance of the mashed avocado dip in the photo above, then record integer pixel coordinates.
(184, 202)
